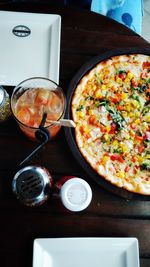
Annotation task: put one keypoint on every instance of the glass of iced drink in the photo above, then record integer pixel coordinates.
(34, 97)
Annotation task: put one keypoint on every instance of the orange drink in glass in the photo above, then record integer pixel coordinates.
(34, 97)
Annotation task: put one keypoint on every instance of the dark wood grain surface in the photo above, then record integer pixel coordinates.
(83, 35)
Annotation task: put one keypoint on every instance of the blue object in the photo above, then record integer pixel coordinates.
(127, 12)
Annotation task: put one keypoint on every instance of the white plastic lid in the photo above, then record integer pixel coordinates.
(76, 194)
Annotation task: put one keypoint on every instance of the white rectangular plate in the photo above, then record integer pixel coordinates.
(86, 252)
(34, 55)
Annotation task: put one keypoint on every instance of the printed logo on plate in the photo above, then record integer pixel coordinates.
(21, 31)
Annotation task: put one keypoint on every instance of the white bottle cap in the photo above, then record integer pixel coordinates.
(76, 194)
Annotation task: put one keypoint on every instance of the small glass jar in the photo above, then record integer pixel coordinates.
(32, 185)
(74, 193)
(5, 110)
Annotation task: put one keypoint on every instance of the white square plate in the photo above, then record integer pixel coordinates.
(86, 252)
(29, 46)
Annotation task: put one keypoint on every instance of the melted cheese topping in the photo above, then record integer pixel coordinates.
(111, 108)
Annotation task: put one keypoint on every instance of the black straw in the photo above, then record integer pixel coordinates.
(43, 135)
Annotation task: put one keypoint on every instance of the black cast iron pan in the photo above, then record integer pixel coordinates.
(69, 132)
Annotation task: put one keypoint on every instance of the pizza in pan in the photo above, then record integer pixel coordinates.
(111, 109)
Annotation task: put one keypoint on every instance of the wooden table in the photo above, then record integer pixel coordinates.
(84, 35)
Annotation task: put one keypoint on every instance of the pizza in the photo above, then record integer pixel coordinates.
(111, 109)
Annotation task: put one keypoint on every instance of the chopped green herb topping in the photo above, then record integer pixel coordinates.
(80, 108)
(121, 72)
(118, 150)
(116, 117)
(89, 98)
(98, 78)
(145, 166)
(135, 97)
(101, 102)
